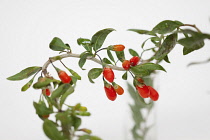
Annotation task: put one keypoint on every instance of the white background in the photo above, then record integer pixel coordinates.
(27, 27)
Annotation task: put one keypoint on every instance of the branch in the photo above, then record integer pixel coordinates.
(59, 57)
(194, 26)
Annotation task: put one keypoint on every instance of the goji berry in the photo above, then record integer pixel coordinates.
(143, 91)
(116, 47)
(118, 89)
(126, 64)
(65, 78)
(46, 91)
(110, 92)
(108, 74)
(134, 60)
(153, 93)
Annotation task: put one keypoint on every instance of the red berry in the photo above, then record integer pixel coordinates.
(108, 74)
(110, 92)
(46, 91)
(134, 60)
(118, 89)
(118, 47)
(153, 93)
(143, 91)
(126, 64)
(65, 78)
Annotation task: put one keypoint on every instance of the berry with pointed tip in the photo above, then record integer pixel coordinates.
(118, 89)
(108, 74)
(143, 91)
(65, 78)
(110, 92)
(46, 91)
(116, 47)
(153, 93)
(134, 60)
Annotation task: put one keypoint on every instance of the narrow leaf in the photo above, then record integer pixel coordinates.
(110, 55)
(57, 45)
(145, 69)
(69, 91)
(98, 38)
(51, 130)
(167, 59)
(139, 31)
(166, 26)
(94, 73)
(105, 60)
(151, 67)
(75, 74)
(27, 85)
(125, 76)
(133, 52)
(120, 55)
(85, 43)
(83, 59)
(60, 90)
(42, 83)
(24, 73)
(166, 47)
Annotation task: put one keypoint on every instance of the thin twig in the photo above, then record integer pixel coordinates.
(194, 26)
(53, 59)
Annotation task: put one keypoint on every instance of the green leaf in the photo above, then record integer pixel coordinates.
(139, 31)
(125, 76)
(24, 73)
(74, 80)
(94, 73)
(145, 69)
(57, 45)
(83, 59)
(64, 117)
(98, 38)
(69, 91)
(51, 131)
(120, 55)
(191, 44)
(42, 83)
(133, 52)
(60, 91)
(192, 41)
(167, 59)
(27, 85)
(77, 122)
(166, 47)
(85, 43)
(41, 108)
(110, 55)
(151, 66)
(166, 26)
(75, 74)
(105, 60)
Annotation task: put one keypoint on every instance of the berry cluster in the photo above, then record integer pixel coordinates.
(126, 64)
(146, 91)
(112, 89)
